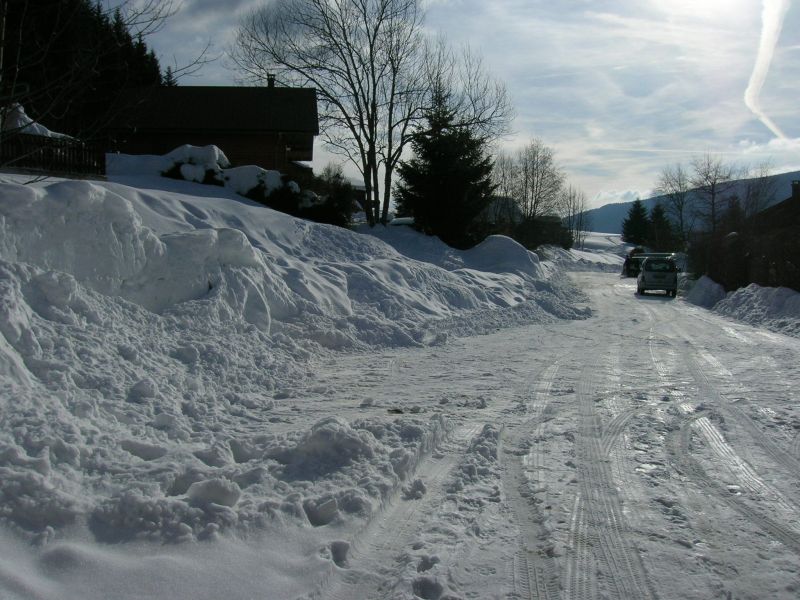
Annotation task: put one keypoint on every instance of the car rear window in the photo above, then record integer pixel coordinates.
(659, 265)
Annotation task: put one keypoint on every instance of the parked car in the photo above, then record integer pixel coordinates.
(633, 261)
(658, 273)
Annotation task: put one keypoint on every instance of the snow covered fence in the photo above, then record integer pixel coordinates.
(26, 144)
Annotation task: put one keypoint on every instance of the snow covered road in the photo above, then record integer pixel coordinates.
(201, 398)
(648, 452)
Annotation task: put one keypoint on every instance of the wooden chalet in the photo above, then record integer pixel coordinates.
(272, 127)
(774, 252)
(764, 250)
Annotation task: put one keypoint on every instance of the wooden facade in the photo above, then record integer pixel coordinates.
(271, 127)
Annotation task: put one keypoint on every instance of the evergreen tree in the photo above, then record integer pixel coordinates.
(635, 226)
(448, 181)
(661, 235)
(169, 79)
(72, 64)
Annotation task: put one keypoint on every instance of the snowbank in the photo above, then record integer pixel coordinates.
(705, 292)
(777, 309)
(600, 252)
(152, 338)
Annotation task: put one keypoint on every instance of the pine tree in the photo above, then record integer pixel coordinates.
(447, 183)
(169, 79)
(635, 226)
(661, 235)
(77, 61)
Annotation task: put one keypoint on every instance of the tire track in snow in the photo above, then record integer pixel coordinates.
(691, 468)
(581, 567)
(370, 570)
(781, 457)
(759, 494)
(740, 469)
(622, 414)
(615, 428)
(788, 463)
(535, 573)
(621, 565)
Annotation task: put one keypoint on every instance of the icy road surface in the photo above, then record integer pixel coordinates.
(651, 451)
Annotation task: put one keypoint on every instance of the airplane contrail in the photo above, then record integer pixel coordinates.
(772, 15)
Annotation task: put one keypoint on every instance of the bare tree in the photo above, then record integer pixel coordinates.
(572, 206)
(759, 190)
(504, 174)
(711, 180)
(539, 180)
(477, 100)
(357, 54)
(673, 184)
(374, 74)
(504, 211)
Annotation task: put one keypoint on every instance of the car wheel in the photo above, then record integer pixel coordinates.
(640, 291)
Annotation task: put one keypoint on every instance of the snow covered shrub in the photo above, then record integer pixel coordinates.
(198, 164)
(336, 198)
(286, 198)
(328, 198)
(191, 172)
(269, 188)
(324, 201)
(336, 208)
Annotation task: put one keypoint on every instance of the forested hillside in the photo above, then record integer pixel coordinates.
(608, 218)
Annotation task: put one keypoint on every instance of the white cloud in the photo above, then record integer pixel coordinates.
(619, 196)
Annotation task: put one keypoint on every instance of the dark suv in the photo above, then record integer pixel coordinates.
(658, 274)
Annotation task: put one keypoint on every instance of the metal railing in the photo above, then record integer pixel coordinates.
(51, 154)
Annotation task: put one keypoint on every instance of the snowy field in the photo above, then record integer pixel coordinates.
(202, 398)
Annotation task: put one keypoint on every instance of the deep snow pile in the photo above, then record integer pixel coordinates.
(705, 292)
(599, 252)
(153, 343)
(777, 309)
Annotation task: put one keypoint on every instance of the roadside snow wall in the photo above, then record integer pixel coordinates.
(777, 309)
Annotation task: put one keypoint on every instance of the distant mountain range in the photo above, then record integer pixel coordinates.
(608, 218)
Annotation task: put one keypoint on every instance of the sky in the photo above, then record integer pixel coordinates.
(619, 89)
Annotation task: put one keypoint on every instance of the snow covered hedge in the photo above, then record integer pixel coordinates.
(209, 165)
